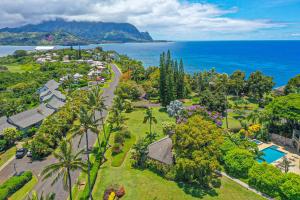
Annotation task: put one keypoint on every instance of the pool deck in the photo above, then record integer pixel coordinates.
(291, 155)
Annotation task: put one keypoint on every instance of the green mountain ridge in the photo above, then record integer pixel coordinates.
(60, 32)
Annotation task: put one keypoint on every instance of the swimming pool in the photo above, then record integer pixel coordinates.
(257, 141)
(271, 154)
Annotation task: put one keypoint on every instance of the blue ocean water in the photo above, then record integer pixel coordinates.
(280, 59)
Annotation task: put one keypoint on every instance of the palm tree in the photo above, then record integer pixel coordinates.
(67, 162)
(87, 123)
(119, 103)
(35, 196)
(93, 101)
(285, 164)
(149, 118)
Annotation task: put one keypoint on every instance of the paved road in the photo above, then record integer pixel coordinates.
(37, 166)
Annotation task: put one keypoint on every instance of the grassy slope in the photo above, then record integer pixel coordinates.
(24, 191)
(4, 157)
(147, 185)
(21, 68)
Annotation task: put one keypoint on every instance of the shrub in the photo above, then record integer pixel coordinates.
(238, 162)
(119, 138)
(266, 178)
(13, 184)
(126, 133)
(290, 189)
(117, 148)
(113, 191)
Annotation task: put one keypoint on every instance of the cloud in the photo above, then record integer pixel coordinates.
(163, 17)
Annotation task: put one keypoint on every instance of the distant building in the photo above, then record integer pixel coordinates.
(50, 85)
(161, 151)
(45, 48)
(55, 103)
(30, 118)
(296, 139)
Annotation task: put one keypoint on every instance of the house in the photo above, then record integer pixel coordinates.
(296, 139)
(55, 103)
(30, 118)
(4, 124)
(50, 85)
(52, 93)
(161, 151)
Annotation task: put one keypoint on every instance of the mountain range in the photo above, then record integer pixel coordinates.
(61, 32)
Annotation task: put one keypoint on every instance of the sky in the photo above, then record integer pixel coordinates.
(170, 19)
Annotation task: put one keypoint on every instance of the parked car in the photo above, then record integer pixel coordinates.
(29, 154)
(21, 153)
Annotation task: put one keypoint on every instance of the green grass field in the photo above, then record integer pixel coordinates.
(25, 190)
(5, 156)
(146, 185)
(21, 68)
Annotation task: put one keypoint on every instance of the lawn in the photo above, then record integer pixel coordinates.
(146, 185)
(24, 191)
(21, 68)
(5, 156)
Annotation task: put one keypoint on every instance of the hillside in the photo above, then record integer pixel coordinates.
(60, 32)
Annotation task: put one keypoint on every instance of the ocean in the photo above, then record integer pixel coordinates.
(279, 59)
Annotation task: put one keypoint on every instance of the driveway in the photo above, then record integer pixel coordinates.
(36, 167)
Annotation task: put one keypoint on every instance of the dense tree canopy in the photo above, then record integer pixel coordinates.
(196, 145)
(293, 85)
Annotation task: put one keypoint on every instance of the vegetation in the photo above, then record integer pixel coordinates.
(67, 162)
(13, 184)
(25, 190)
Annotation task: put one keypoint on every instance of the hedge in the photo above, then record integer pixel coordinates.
(13, 184)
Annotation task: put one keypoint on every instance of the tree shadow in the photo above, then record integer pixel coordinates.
(163, 109)
(196, 190)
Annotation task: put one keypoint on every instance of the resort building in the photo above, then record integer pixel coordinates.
(161, 151)
(30, 118)
(4, 124)
(49, 90)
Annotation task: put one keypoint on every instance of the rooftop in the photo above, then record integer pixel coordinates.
(161, 151)
(31, 117)
(4, 124)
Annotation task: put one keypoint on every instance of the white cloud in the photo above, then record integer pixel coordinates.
(162, 17)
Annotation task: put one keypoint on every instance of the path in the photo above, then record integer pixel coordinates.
(36, 167)
(245, 185)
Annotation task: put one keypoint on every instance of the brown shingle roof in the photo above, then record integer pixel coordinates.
(161, 151)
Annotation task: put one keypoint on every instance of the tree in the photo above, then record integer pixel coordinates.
(290, 189)
(67, 162)
(293, 85)
(285, 164)
(128, 90)
(20, 53)
(87, 123)
(35, 196)
(196, 146)
(259, 84)
(149, 118)
(11, 135)
(237, 82)
(180, 82)
(238, 162)
(175, 109)
(162, 80)
(266, 178)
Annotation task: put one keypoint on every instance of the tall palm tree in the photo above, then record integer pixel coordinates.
(35, 196)
(149, 118)
(87, 123)
(67, 162)
(101, 107)
(93, 102)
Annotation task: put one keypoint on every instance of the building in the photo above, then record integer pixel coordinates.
(55, 103)
(30, 118)
(45, 48)
(161, 151)
(4, 124)
(49, 90)
(50, 85)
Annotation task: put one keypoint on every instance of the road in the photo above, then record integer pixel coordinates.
(36, 167)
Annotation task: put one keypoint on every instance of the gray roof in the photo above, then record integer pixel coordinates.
(4, 124)
(161, 151)
(46, 92)
(52, 85)
(55, 93)
(31, 117)
(55, 103)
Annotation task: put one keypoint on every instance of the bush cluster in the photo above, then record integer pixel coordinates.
(13, 184)
(119, 140)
